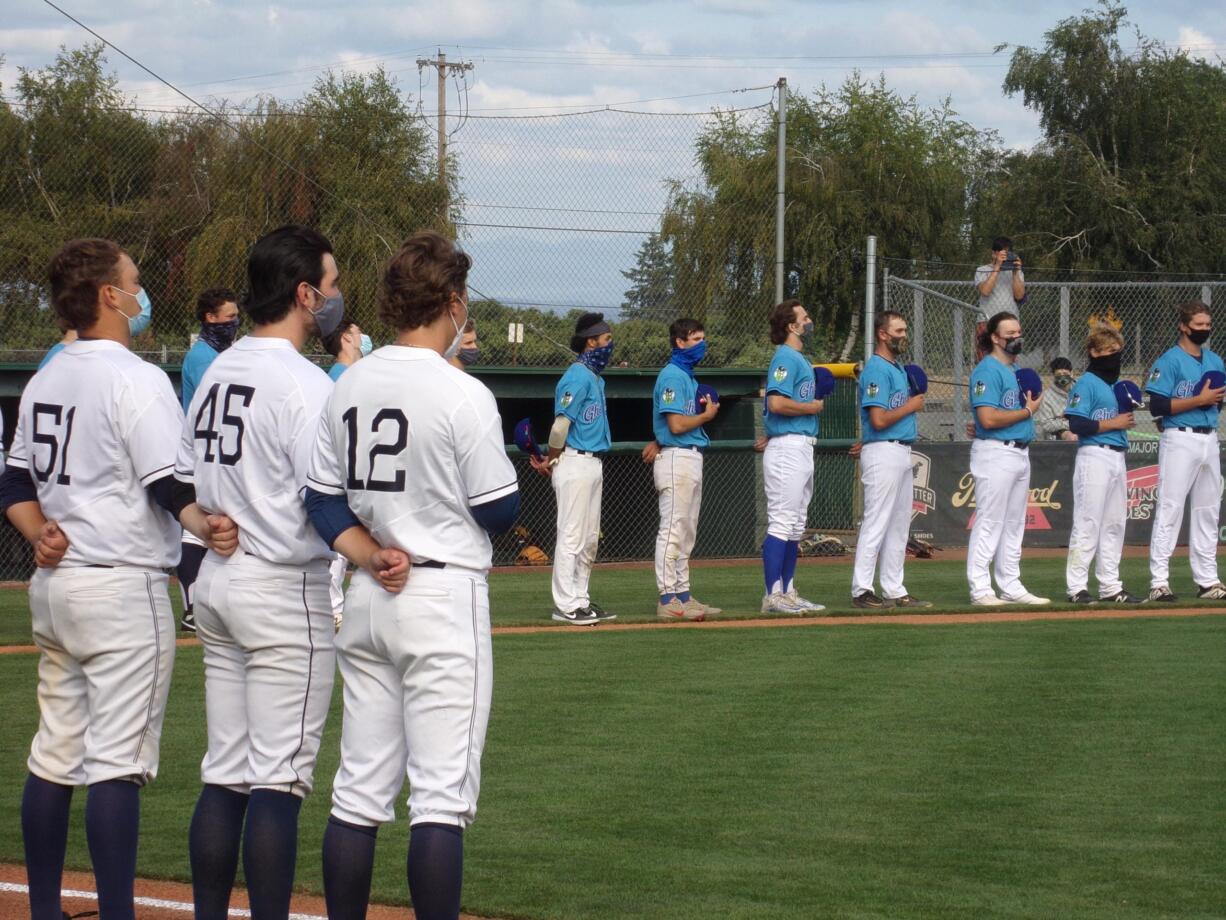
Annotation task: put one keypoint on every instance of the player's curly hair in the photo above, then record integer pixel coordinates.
(77, 273)
(210, 301)
(1192, 309)
(578, 343)
(420, 278)
(1102, 336)
(782, 316)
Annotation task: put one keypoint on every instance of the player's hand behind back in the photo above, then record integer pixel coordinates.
(223, 534)
(390, 568)
(51, 546)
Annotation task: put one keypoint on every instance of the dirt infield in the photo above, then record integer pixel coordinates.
(160, 900)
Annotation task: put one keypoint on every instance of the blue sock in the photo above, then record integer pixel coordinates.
(436, 871)
(665, 598)
(773, 550)
(684, 597)
(790, 555)
(44, 827)
(349, 861)
(112, 828)
(270, 850)
(213, 842)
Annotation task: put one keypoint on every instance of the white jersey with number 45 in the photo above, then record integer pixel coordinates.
(94, 429)
(413, 443)
(247, 442)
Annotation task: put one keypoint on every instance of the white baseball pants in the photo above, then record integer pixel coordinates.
(787, 474)
(106, 638)
(1100, 511)
(1002, 487)
(678, 477)
(888, 480)
(336, 584)
(418, 678)
(1189, 464)
(577, 483)
(269, 664)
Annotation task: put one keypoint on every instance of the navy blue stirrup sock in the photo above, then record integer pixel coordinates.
(349, 862)
(270, 849)
(213, 843)
(774, 552)
(112, 828)
(791, 553)
(436, 870)
(44, 828)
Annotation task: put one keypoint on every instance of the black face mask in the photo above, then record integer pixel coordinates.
(219, 336)
(1199, 336)
(1107, 367)
(1013, 346)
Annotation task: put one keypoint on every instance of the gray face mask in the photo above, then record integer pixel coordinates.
(329, 316)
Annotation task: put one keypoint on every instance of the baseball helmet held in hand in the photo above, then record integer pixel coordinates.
(1212, 380)
(1128, 396)
(525, 440)
(1028, 382)
(706, 394)
(917, 380)
(823, 382)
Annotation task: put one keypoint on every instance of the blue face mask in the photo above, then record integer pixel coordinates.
(686, 358)
(140, 322)
(366, 346)
(597, 359)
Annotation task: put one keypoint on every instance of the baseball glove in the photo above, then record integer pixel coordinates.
(532, 555)
(920, 549)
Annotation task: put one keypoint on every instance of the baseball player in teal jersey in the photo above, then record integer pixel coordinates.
(348, 345)
(1100, 475)
(1000, 463)
(217, 311)
(578, 440)
(678, 417)
(888, 424)
(1186, 405)
(787, 463)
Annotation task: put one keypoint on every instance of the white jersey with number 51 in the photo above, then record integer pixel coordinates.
(247, 442)
(413, 442)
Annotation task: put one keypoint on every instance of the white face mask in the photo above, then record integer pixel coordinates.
(459, 334)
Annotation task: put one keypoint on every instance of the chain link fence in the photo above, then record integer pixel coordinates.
(1055, 317)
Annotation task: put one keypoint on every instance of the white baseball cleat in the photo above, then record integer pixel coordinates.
(779, 603)
(1032, 600)
(800, 602)
(987, 600)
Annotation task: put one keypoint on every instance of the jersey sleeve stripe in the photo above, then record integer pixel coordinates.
(492, 494)
(20, 462)
(185, 475)
(156, 474)
(332, 488)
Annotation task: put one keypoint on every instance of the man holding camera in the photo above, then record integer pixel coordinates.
(996, 295)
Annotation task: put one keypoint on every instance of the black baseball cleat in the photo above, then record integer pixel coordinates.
(868, 600)
(580, 616)
(1123, 597)
(1162, 595)
(600, 613)
(907, 600)
(188, 623)
(1082, 597)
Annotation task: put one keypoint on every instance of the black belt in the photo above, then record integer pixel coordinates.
(1114, 447)
(1020, 445)
(429, 564)
(1198, 429)
(588, 453)
(694, 448)
(895, 441)
(101, 565)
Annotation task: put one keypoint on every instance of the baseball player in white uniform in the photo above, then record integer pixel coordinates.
(578, 440)
(264, 615)
(888, 421)
(787, 463)
(410, 464)
(1000, 463)
(1185, 395)
(88, 483)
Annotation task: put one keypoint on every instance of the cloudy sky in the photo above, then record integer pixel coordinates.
(565, 56)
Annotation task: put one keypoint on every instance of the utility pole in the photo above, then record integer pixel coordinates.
(780, 185)
(443, 69)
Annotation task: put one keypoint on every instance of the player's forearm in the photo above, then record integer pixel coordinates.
(783, 405)
(28, 518)
(881, 418)
(683, 424)
(195, 521)
(1189, 404)
(988, 284)
(357, 545)
(1019, 287)
(992, 419)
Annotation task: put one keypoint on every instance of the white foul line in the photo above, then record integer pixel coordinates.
(182, 906)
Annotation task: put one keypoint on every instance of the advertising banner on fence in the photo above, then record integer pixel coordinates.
(943, 506)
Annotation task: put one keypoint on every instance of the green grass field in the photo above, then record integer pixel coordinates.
(1045, 769)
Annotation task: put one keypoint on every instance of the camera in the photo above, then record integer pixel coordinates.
(1010, 259)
